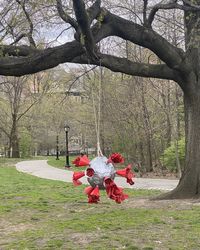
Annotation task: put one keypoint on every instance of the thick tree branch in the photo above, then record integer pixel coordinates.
(65, 17)
(126, 66)
(82, 18)
(147, 38)
(71, 52)
(39, 60)
(17, 51)
(27, 60)
(94, 11)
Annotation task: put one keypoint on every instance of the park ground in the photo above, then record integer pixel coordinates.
(44, 214)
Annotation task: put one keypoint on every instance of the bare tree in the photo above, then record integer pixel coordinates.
(17, 99)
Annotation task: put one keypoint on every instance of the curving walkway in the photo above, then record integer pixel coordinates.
(41, 169)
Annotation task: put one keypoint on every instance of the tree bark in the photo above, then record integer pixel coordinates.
(14, 140)
(189, 184)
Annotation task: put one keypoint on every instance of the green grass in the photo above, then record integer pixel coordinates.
(43, 214)
(62, 161)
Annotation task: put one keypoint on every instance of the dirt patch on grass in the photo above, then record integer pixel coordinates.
(83, 238)
(160, 204)
(9, 228)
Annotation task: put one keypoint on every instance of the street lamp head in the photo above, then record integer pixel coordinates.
(67, 128)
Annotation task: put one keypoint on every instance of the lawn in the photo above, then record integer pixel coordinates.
(61, 162)
(42, 214)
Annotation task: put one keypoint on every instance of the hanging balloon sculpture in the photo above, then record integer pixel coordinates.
(100, 171)
(100, 174)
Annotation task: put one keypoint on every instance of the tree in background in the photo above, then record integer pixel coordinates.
(17, 99)
(15, 103)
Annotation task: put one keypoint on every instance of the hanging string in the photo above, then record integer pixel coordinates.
(95, 117)
(97, 110)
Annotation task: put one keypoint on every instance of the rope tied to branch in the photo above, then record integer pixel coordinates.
(97, 110)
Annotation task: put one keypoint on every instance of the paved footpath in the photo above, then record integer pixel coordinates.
(41, 169)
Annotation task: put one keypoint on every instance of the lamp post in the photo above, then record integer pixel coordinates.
(67, 128)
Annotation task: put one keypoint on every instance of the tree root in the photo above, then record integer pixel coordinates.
(177, 193)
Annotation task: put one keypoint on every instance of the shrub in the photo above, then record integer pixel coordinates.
(25, 144)
(168, 157)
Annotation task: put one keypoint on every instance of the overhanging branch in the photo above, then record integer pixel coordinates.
(71, 52)
(39, 60)
(17, 51)
(21, 60)
(123, 65)
(146, 38)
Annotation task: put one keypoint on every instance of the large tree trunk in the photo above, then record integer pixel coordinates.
(189, 184)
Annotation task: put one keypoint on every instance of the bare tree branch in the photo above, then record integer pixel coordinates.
(189, 3)
(4, 131)
(27, 109)
(19, 38)
(145, 11)
(65, 17)
(30, 33)
(74, 81)
(171, 5)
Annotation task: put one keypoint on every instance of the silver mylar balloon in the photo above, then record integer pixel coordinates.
(101, 170)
